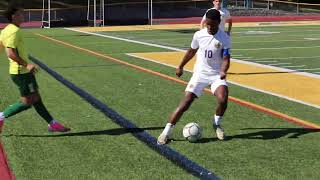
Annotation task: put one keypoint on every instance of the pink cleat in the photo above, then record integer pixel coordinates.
(57, 127)
(1, 125)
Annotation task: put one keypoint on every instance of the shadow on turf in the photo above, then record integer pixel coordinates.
(266, 134)
(113, 132)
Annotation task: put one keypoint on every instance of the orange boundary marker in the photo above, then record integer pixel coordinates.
(232, 99)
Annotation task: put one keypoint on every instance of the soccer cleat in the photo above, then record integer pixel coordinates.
(57, 127)
(219, 132)
(1, 124)
(162, 139)
(1, 121)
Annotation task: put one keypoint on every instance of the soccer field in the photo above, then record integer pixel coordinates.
(127, 71)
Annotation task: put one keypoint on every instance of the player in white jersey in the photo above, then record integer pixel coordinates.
(225, 17)
(212, 47)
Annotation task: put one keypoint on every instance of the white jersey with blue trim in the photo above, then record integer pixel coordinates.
(210, 52)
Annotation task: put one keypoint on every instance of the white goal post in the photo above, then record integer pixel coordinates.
(95, 15)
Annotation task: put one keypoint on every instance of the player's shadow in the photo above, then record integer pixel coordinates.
(111, 132)
(266, 134)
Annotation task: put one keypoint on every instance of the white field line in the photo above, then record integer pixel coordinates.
(265, 61)
(275, 58)
(304, 30)
(278, 64)
(312, 39)
(297, 66)
(243, 57)
(128, 40)
(305, 39)
(308, 69)
(275, 48)
(264, 35)
(245, 62)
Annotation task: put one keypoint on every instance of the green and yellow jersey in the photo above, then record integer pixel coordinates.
(11, 37)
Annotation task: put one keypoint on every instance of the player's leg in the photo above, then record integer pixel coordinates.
(53, 125)
(222, 100)
(23, 104)
(30, 97)
(193, 90)
(11, 111)
(183, 106)
(220, 90)
(175, 117)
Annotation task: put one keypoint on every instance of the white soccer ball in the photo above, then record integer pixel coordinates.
(192, 132)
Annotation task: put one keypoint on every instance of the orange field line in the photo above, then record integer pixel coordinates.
(232, 99)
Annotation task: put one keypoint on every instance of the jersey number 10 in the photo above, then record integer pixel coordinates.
(208, 53)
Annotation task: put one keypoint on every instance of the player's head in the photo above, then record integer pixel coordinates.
(213, 19)
(14, 14)
(217, 3)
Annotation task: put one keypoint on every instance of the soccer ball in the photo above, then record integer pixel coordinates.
(192, 132)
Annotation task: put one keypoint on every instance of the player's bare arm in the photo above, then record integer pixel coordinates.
(12, 54)
(187, 57)
(225, 65)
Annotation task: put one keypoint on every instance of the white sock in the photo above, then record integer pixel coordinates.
(168, 129)
(1, 116)
(217, 120)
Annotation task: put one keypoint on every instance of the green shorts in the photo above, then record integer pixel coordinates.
(26, 83)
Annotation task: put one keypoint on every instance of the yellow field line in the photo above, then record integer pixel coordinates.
(232, 99)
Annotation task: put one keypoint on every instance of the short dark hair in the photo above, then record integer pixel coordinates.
(213, 14)
(11, 10)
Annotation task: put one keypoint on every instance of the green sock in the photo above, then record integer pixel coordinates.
(15, 109)
(42, 111)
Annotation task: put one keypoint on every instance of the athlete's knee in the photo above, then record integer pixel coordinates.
(31, 99)
(222, 99)
(187, 103)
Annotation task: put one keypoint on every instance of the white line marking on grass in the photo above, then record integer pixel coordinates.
(238, 55)
(287, 35)
(276, 48)
(305, 39)
(127, 40)
(275, 64)
(304, 30)
(264, 61)
(245, 57)
(312, 39)
(293, 66)
(245, 62)
(308, 69)
(260, 32)
(297, 57)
